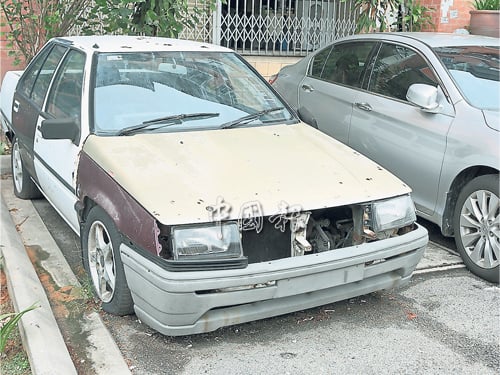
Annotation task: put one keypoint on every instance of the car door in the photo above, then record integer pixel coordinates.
(29, 99)
(401, 137)
(56, 159)
(331, 86)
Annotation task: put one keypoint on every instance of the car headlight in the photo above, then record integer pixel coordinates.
(392, 213)
(220, 241)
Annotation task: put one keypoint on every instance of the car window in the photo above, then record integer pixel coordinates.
(396, 68)
(475, 70)
(28, 79)
(152, 85)
(66, 93)
(318, 62)
(346, 63)
(45, 75)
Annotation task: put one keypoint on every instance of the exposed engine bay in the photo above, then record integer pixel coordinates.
(303, 233)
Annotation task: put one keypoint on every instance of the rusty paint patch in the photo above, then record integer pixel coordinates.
(130, 218)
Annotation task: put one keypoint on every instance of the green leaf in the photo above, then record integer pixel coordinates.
(10, 324)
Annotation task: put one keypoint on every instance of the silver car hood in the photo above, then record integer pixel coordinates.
(182, 177)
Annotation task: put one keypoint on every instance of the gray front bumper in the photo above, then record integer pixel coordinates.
(182, 303)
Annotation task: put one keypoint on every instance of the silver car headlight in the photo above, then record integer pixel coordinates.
(392, 213)
(217, 241)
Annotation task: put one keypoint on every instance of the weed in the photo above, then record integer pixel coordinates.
(87, 289)
(8, 322)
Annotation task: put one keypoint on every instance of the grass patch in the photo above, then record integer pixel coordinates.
(17, 364)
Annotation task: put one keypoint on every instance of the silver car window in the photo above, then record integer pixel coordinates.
(318, 62)
(396, 68)
(343, 64)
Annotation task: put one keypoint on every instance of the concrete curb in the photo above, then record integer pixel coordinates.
(42, 337)
(40, 333)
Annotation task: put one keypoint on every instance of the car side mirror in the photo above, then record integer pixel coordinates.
(424, 96)
(61, 128)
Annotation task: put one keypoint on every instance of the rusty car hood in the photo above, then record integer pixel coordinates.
(183, 177)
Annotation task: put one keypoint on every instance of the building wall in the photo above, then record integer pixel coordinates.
(6, 62)
(449, 15)
(269, 65)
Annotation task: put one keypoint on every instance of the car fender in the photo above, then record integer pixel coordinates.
(97, 187)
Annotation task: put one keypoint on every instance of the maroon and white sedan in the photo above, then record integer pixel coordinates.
(200, 198)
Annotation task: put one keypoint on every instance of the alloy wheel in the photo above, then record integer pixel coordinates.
(17, 167)
(101, 261)
(480, 228)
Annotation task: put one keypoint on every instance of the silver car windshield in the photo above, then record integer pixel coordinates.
(476, 72)
(134, 88)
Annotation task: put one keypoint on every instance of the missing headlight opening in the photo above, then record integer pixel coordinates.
(308, 232)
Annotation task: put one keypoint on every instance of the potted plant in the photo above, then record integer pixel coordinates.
(484, 20)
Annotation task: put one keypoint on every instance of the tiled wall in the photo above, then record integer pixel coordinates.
(269, 65)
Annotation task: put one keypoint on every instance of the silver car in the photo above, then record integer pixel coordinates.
(426, 107)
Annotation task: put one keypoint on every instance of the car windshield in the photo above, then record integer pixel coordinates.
(132, 89)
(476, 72)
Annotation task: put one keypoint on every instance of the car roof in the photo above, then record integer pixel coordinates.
(434, 39)
(126, 43)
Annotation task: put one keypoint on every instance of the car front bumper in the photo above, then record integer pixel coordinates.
(183, 303)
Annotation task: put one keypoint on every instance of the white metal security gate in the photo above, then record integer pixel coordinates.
(275, 27)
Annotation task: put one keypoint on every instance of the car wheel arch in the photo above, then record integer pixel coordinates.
(458, 183)
(120, 213)
(83, 208)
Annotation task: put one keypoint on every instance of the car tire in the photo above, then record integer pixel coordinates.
(476, 226)
(102, 261)
(24, 187)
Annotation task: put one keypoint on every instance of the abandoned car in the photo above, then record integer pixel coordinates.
(200, 199)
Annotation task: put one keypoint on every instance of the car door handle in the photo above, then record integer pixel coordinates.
(307, 88)
(364, 106)
(15, 107)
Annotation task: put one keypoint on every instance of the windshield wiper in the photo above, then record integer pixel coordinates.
(253, 116)
(166, 121)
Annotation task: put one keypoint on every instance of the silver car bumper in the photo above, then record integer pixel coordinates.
(182, 303)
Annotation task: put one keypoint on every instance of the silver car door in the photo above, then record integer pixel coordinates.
(401, 137)
(331, 86)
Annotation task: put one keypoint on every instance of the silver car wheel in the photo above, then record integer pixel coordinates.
(17, 167)
(101, 261)
(480, 228)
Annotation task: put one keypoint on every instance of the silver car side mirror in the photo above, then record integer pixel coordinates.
(424, 96)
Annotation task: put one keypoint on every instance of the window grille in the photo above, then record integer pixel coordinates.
(275, 27)
(272, 27)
